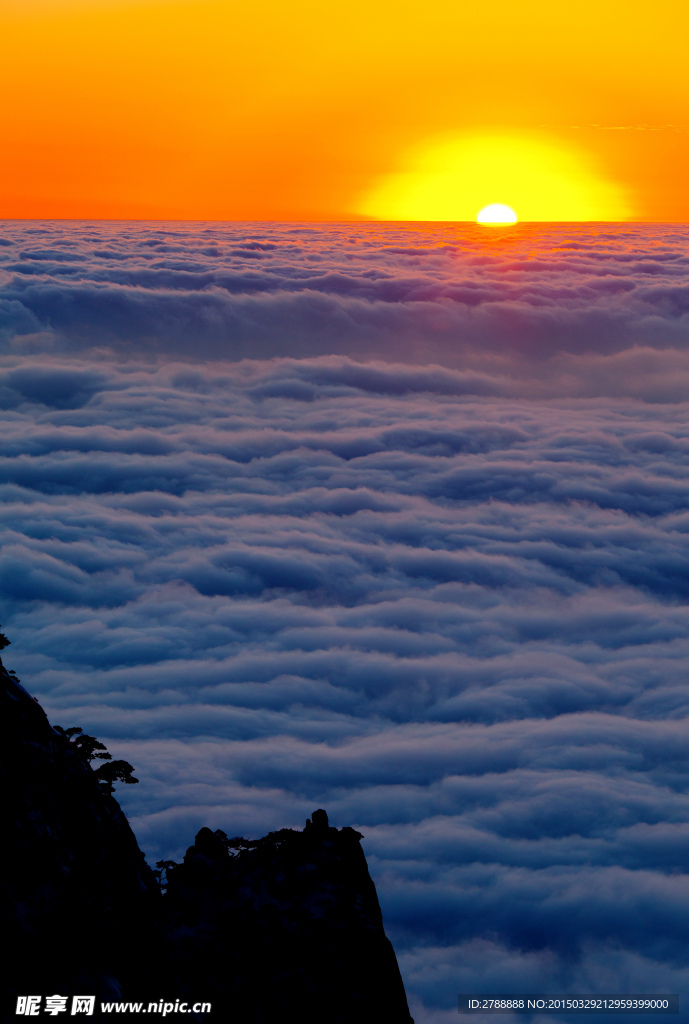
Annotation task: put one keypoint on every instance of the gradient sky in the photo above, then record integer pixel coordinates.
(230, 110)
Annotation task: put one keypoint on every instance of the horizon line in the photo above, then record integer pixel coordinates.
(276, 220)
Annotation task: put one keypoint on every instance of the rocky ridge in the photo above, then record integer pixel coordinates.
(285, 925)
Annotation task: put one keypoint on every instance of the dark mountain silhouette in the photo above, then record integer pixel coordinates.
(81, 907)
(287, 926)
(295, 909)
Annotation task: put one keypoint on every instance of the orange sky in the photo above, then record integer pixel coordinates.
(302, 110)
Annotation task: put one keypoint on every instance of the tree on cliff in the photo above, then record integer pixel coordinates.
(90, 749)
(116, 771)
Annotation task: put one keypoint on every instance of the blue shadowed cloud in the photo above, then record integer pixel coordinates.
(387, 521)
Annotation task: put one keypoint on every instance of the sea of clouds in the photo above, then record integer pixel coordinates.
(387, 520)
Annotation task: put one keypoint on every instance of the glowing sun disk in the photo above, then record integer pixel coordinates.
(496, 213)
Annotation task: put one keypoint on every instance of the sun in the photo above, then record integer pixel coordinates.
(448, 179)
(496, 213)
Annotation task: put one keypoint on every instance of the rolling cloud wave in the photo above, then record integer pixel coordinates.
(300, 518)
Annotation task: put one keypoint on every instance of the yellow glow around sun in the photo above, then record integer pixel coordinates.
(496, 213)
(540, 177)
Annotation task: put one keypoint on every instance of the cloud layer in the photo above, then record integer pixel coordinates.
(543, 311)
(387, 521)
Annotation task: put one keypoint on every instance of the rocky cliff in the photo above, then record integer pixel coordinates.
(288, 925)
(80, 905)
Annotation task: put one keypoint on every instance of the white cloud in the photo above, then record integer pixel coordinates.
(447, 602)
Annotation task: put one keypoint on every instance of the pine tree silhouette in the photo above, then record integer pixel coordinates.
(90, 749)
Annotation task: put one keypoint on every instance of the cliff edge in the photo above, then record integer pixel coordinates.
(287, 925)
(81, 907)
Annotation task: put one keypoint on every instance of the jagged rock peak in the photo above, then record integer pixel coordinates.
(318, 821)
